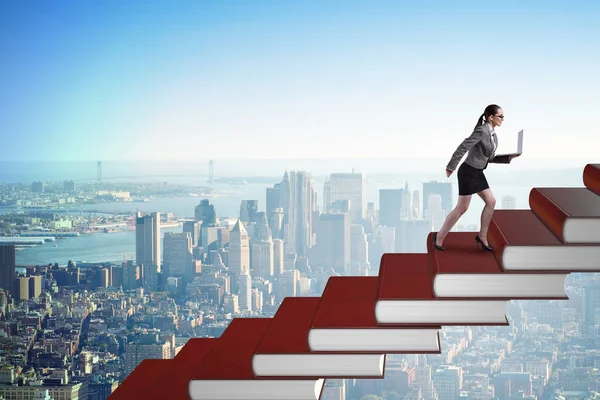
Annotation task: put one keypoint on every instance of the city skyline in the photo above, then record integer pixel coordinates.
(336, 79)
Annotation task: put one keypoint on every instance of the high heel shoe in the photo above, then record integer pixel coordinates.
(480, 242)
(437, 246)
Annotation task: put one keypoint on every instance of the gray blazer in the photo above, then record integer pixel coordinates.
(480, 148)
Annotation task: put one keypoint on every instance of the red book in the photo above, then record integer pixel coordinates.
(572, 214)
(284, 349)
(521, 241)
(406, 297)
(346, 317)
(173, 383)
(591, 177)
(226, 372)
(464, 271)
(143, 375)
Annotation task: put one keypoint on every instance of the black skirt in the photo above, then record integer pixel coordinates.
(471, 180)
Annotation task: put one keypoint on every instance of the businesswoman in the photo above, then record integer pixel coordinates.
(481, 147)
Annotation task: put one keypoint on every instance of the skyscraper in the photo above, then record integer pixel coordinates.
(177, 255)
(239, 254)
(245, 285)
(147, 240)
(349, 186)
(7, 268)
(390, 206)
(193, 228)
(447, 381)
(444, 189)
(333, 242)
(272, 199)
(278, 262)
(206, 213)
(435, 211)
(359, 251)
(248, 210)
(262, 250)
(297, 200)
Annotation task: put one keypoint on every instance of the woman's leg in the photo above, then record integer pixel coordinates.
(487, 213)
(453, 217)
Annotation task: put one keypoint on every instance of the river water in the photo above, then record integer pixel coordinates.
(118, 246)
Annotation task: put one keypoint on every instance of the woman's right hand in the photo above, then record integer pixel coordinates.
(448, 172)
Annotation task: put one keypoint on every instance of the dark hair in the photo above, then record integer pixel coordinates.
(492, 109)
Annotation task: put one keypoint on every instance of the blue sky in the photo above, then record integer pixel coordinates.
(167, 80)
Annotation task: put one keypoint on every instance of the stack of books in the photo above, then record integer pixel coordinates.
(347, 332)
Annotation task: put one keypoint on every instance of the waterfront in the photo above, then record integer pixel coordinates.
(118, 246)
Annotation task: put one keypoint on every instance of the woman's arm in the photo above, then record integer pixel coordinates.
(464, 147)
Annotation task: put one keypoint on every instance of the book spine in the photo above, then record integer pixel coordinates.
(432, 260)
(548, 212)
(381, 278)
(591, 177)
(497, 241)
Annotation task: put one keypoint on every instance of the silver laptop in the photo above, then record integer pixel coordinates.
(519, 146)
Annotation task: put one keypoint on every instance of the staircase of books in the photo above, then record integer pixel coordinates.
(347, 332)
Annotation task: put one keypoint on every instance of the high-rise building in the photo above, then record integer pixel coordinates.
(193, 228)
(416, 205)
(135, 353)
(278, 257)
(333, 243)
(447, 381)
(239, 254)
(272, 199)
(423, 379)
(147, 240)
(206, 213)
(248, 210)
(276, 223)
(390, 206)
(35, 286)
(411, 236)
(349, 186)
(406, 205)
(131, 275)
(177, 255)
(359, 251)
(444, 189)
(7, 268)
(21, 288)
(245, 286)
(435, 211)
(297, 200)
(286, 284)
(262, 261)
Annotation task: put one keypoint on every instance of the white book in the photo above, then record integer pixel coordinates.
(503, 285)
(321, 365)
(306, 389)
(384, 339)
(443, 312)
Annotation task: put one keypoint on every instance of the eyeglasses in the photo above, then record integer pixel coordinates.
(499, 116)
